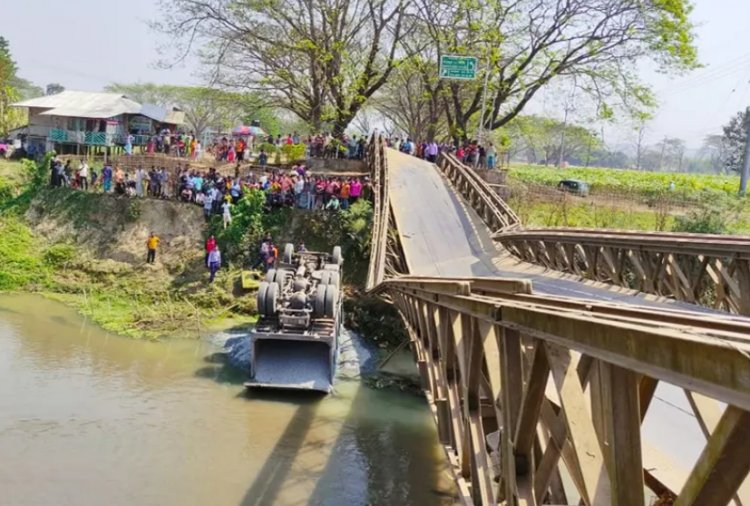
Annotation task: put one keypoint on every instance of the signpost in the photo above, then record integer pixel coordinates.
(458, 67)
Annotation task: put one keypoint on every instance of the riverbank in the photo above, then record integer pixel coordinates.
(88, 250)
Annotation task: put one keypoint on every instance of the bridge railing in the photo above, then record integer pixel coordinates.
(711, 270)
(377, 161)
(536, 396)
(493, 210)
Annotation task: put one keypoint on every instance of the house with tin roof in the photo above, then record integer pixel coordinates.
(75, 121)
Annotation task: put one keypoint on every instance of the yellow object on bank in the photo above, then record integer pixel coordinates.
(153, 242)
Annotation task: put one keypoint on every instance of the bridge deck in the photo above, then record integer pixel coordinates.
(442, 236)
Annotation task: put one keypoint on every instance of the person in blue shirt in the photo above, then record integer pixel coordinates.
(107, 178)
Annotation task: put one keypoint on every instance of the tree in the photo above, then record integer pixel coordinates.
(539, 138)
(12, 89)
(715, 151)
(320, 59)
(409, 102)
(524, 45)
(55, 88)
(734, 138)
(8, 93)
(205, 108)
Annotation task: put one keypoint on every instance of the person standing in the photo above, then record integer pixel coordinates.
(208, 204)
(210, 246)
(140, 175)
(214, 263)
(227, 213)
(152, 243)
(83, 174)
(491, 156)
(107, 178)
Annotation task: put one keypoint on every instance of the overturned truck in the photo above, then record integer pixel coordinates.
(295, 343)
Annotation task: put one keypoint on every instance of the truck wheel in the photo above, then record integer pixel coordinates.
(280, 277)
(332, 299)
(337, 257)
(272, 295)
(319, 301)
(260, 297)
(288, 252)
(324, 277)
(270, 275)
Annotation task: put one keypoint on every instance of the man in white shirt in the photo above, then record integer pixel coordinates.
(83, 174)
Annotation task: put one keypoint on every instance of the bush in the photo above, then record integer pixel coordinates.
(267, 147)
(245, 229)
(713, 215)
(293, 152)
(58, 255)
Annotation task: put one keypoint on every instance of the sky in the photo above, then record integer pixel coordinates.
(85, 46)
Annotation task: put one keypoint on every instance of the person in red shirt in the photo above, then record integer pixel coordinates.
(210, 246)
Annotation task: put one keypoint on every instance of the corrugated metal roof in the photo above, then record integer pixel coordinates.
(83, 104)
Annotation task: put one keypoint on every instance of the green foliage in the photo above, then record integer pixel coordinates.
(293, 152)
(631, 182)
(267, 147)
(714, 214)
(240, 237)
(21, 265)
(59, 255)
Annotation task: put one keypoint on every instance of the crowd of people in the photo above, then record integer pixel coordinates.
(213, 191)
(240, 148)
(470, 153)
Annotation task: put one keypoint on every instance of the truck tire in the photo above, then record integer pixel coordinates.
(260, 297)
(332, 267)
(319, 301)
(280, 277)
(288, 252)
(270, 275)
(337, 257)
(272, 296)
(331, 301)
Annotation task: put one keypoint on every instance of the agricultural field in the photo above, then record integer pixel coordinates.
(631, 182)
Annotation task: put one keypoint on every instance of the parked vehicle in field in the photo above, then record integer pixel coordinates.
(296, 339)
(574, 186)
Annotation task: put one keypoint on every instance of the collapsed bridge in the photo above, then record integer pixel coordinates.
(551, 357)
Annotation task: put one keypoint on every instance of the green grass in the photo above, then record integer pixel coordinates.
(628, 181)
(541, 214)
(13, 171)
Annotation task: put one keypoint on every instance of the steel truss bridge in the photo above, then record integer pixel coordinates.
(544, 353)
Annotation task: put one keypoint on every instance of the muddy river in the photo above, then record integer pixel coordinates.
(89, 418)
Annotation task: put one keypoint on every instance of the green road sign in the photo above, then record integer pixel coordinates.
(458, 67)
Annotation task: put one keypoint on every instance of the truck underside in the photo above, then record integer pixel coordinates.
(295, 342)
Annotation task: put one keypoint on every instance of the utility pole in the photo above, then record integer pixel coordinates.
(746, 159)
(480, 129)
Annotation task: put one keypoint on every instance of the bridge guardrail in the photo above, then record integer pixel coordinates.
(573, 380)
(378, 163)
(711, 270)
(493, 210)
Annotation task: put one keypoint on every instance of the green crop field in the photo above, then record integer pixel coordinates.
(631, 182)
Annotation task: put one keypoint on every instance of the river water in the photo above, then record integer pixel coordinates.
(88, 418)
